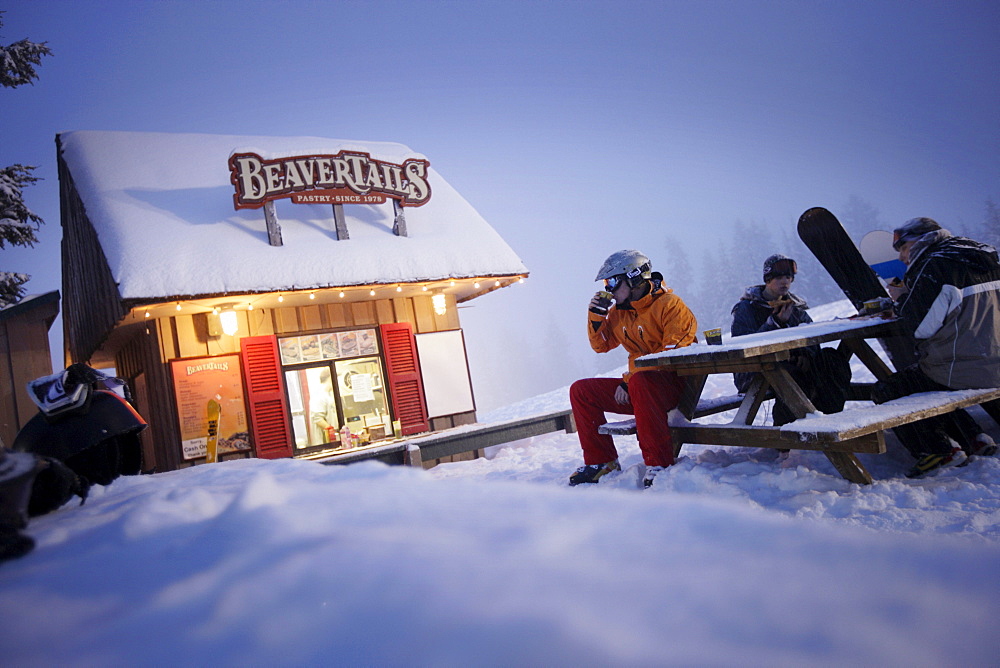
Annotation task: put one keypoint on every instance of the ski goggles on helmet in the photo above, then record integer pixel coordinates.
(611, 284)
(67, 390)
(899, 240)
(57, 393)
(633, 277)
(783, 268)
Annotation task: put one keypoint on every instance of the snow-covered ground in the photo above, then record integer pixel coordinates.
(735, 556)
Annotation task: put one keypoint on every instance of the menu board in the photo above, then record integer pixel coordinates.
(329, 346)
(196, 383)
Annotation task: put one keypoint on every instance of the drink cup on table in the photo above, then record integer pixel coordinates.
(713, 336)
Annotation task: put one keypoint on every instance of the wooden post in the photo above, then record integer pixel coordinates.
(693, 385)
(399, 221)
(846, 463)
(413, 455)
(341, 222)
(273, 226)
(754, 397)
(868, 356)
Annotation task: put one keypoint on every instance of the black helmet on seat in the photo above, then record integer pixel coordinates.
(99, 442)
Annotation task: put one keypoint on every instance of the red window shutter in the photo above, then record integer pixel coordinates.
(269, 421)
(405, 384)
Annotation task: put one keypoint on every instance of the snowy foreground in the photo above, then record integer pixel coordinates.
(735, 556)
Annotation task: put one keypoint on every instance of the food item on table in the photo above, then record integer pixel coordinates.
(779, 302)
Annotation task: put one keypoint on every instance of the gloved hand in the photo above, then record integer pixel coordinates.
(621, 394)
(600, 303)
(782, 313)
(896, 291)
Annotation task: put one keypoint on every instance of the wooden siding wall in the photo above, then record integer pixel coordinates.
(142, 355)
(91, 303)
(155, 344)
(24, 356)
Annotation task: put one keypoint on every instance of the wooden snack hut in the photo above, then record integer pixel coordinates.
(271, 296)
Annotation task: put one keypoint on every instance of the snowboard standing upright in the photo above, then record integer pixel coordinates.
(827, 239)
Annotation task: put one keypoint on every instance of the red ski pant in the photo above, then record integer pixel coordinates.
(652, 394)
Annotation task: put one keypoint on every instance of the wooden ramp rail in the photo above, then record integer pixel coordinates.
(417, 449)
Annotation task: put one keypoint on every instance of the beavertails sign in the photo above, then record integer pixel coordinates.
(349, 177)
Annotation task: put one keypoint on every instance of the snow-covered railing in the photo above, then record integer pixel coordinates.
(468, 438)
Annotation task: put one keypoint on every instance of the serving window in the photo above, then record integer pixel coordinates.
(336, 380)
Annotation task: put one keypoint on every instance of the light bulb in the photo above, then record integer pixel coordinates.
(440, 304)
(230, 323)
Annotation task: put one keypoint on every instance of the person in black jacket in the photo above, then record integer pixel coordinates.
(950, 303)
(824, 374)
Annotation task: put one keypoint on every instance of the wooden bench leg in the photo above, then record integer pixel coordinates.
(568, 423)
(789, 391)
(868, 357)
(848, 465)
(752, 400)
(693, 385)
(992, 409)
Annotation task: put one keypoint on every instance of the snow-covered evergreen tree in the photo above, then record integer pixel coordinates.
(989, 231)
(17, 222)
(18, 61)
(859, 217)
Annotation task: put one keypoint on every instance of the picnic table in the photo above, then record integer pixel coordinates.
(839, 436)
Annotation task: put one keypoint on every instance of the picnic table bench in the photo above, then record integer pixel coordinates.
(839, 436)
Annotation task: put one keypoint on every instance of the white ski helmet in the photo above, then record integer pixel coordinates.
(631, 263)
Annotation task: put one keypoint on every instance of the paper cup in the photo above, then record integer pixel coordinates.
(713, 336)
(873, 306)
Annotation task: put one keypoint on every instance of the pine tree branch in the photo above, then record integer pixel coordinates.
(19, 60)
(11, 287)
(17, 222)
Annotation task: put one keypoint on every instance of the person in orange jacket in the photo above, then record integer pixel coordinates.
(645, 318)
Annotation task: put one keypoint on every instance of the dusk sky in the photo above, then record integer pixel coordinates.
(575, 128)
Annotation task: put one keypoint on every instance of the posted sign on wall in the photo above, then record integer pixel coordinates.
(197, 383)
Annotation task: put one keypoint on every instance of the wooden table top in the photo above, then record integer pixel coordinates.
(759, 344)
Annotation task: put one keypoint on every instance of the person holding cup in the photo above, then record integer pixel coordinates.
(823, 373)
(646, 317)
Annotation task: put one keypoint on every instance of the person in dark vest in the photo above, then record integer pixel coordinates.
(949, 301)
(824, 374)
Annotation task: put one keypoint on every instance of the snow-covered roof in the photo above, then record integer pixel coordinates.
(162, 207)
